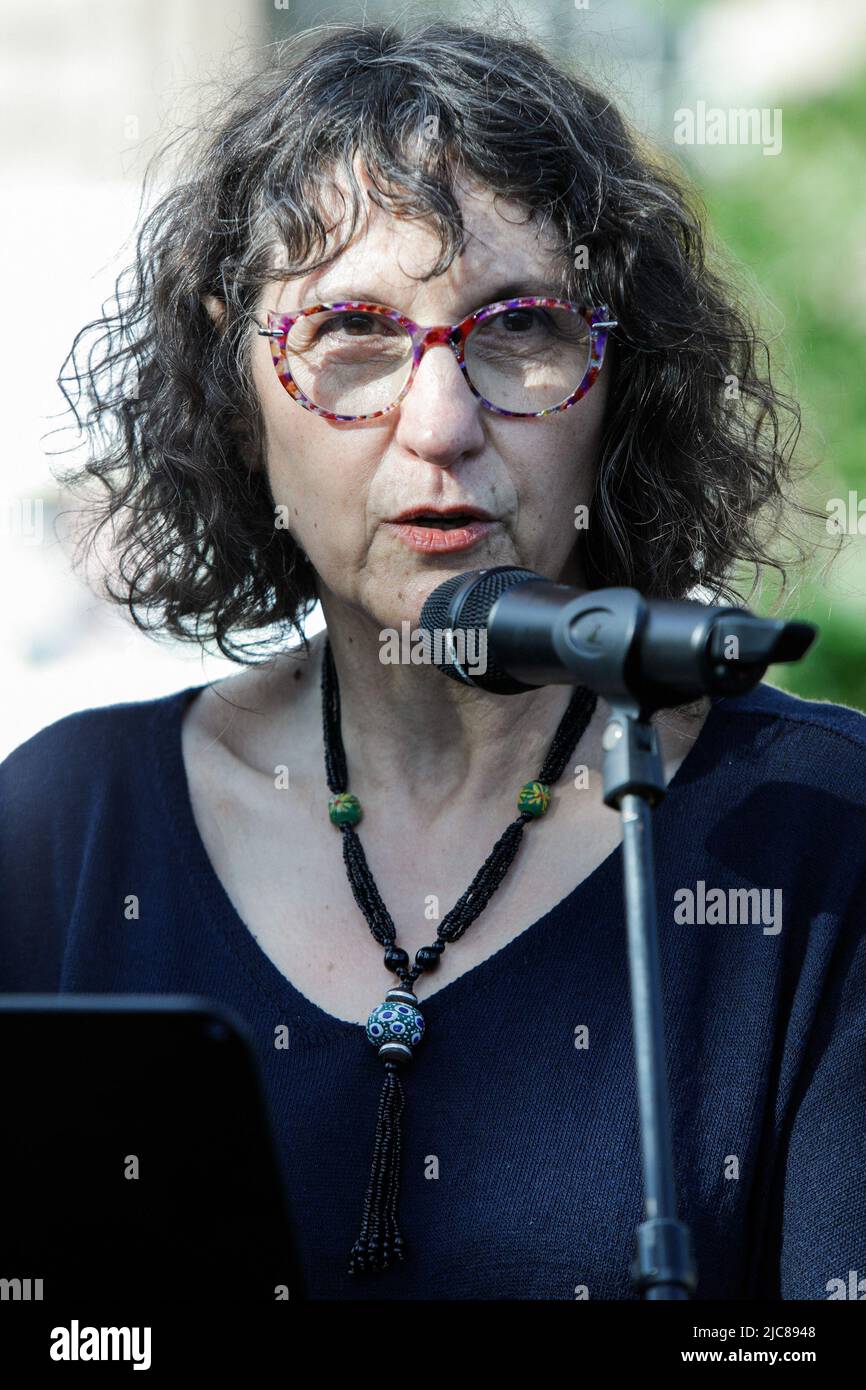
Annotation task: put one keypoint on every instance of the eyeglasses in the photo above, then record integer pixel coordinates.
(523, 358)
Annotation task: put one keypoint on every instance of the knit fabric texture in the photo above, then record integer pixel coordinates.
(521, 1160)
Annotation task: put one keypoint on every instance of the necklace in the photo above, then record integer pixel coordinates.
(396, 1026)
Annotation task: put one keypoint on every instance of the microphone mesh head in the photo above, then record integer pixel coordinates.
(472, 613)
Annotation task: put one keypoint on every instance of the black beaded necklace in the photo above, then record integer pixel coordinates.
(396, 1026)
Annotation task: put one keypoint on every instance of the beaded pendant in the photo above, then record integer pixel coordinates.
(394, 1028)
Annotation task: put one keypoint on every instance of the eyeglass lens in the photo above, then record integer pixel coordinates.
(352, 362)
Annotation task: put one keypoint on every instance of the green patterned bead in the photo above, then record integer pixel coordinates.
(344, 809)
(534, 798)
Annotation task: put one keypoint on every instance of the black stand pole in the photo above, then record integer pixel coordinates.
(664, 1266)
(640, 655)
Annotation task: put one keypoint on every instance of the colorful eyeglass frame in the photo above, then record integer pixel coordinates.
(451, 335)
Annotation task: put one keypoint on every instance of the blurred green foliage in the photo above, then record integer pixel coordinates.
(796, 225)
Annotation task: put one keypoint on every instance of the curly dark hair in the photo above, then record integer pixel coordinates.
(693, 458)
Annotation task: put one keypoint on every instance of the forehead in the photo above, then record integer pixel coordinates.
(389, 254)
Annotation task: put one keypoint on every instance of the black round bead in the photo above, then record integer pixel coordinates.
(395, 959)
(428, 956)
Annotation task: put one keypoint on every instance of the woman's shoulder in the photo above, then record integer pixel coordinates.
(815, 742)
(92, 744)
(121, 758)
(83, 785)
(77, 798)
(775, 703)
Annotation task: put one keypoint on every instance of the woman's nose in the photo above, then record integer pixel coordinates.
(440, 418)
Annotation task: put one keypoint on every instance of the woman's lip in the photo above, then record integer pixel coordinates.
(437, 538)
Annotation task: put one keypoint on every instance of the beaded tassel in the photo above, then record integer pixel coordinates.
(394, 1027)
(380, 1237)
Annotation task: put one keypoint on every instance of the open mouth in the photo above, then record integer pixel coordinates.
(432, 533)
(442, 523)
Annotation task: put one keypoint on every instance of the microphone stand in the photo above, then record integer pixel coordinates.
(640, 655)
(633, 783)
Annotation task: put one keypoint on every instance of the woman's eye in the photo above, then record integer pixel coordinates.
(325, 325)
(522, 318)
(355, 325)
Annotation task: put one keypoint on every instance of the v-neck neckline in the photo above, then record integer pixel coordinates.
(220, 913)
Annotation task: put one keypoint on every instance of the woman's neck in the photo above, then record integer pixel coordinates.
(407, 725)
(413, 738)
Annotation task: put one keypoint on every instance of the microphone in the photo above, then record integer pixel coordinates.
(527, 631)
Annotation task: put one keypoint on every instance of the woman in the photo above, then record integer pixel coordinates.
(258, 457)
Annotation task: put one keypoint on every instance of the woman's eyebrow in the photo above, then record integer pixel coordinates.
(338, 295)
(514, 289)
(517, 289)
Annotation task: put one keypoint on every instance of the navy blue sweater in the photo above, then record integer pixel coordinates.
(523, 1090)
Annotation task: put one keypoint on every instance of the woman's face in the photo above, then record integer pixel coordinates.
(344, 483)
